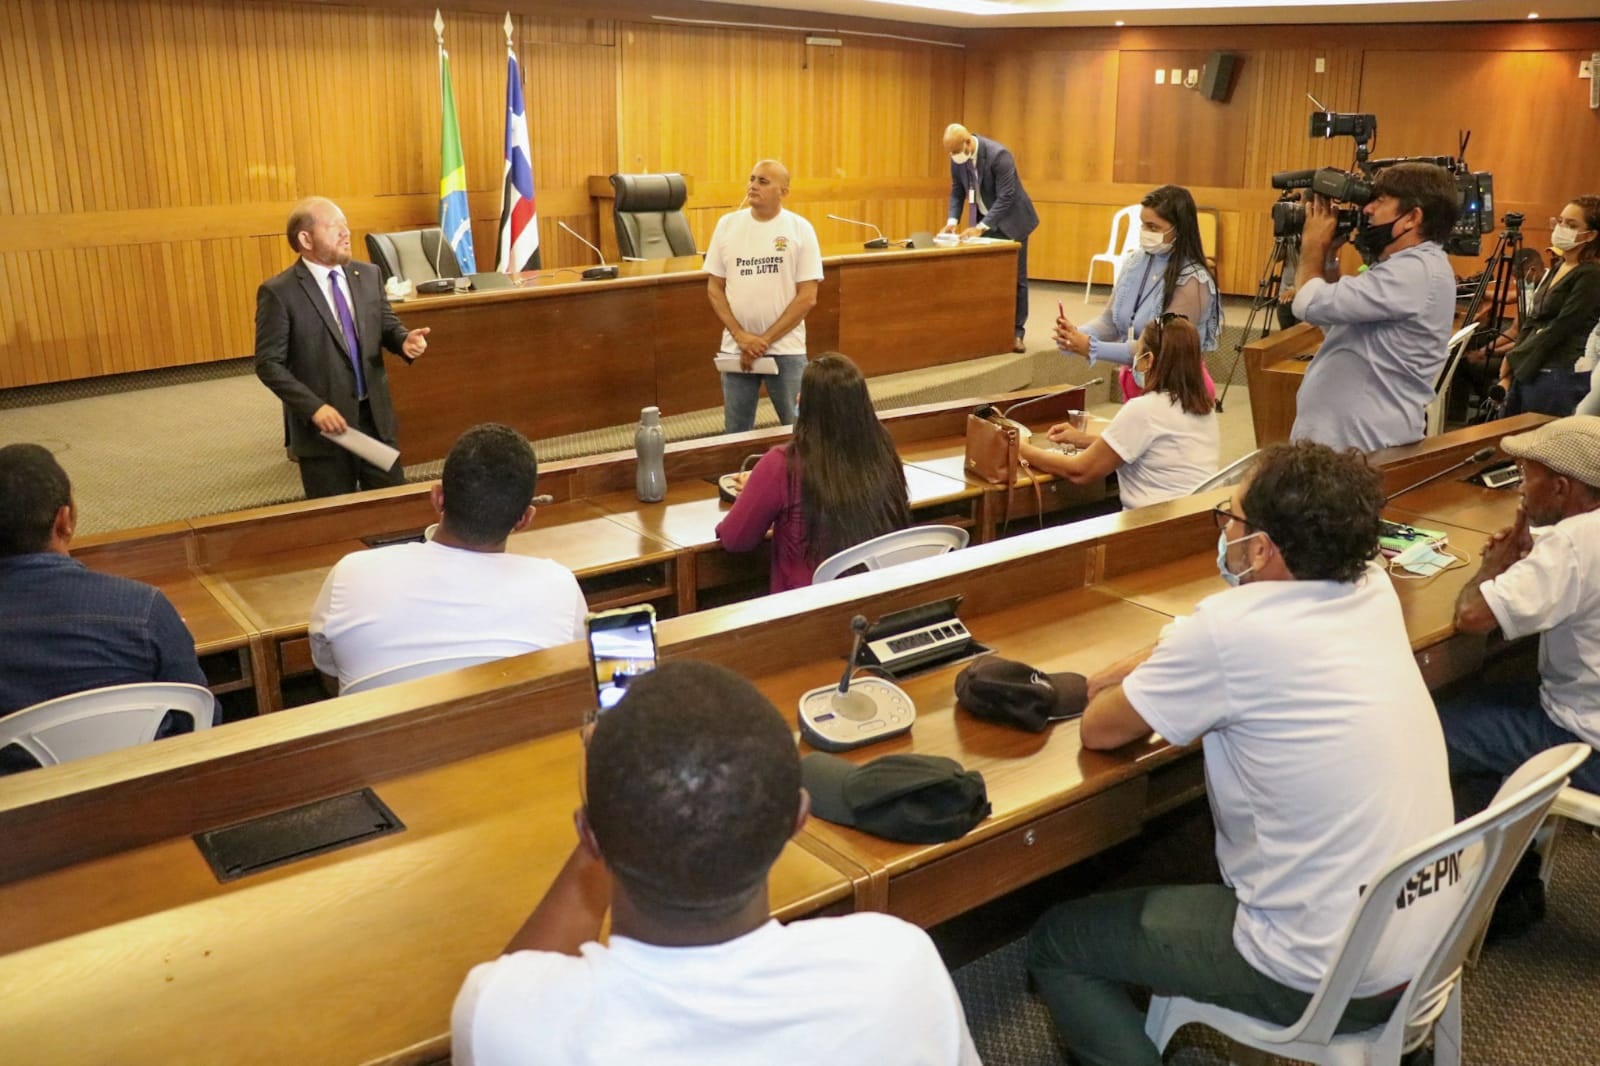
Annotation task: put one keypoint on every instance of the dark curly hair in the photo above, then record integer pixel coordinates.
(1319, 506)
(1423, 185)
(489, 477)
(693, 785)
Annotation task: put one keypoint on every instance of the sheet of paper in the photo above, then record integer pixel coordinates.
(371, 449)
(729, 364)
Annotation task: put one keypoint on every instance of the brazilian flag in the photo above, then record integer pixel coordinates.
(454, 217)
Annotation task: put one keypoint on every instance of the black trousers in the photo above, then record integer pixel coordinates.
(334, 475)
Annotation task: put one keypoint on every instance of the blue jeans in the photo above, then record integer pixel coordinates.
(1490, 729)
(1551, 392)
(1176, 940)
(741, 393)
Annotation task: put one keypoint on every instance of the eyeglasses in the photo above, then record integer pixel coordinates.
(1222, 516)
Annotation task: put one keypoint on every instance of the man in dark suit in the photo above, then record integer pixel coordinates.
(309, 319)
(984, 184)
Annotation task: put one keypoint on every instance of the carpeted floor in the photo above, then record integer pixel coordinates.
(1529, 1002)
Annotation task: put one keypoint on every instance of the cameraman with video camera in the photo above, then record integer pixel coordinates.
(1387, 328)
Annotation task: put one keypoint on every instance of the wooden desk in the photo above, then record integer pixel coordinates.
(358, 953)
(1274, 366)
(559, 356)
(349, 957)
(1460, 503)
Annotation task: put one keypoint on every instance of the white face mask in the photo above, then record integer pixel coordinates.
(961, 157)
(1154, 243)
(1565, 238)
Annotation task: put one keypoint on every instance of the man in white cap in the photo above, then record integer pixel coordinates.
(1550, 585)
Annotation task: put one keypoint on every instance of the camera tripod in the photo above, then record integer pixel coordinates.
(1264, 307)
(1499, 278)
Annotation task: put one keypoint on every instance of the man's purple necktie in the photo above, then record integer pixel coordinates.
(974, 201)
(347, 323)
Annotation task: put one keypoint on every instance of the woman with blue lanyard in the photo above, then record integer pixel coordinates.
(1167, 272)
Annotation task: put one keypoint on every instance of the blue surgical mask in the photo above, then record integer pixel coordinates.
(1138, 378)
(1222, 558)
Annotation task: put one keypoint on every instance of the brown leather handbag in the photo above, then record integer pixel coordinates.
(992, 441)
(993, 455)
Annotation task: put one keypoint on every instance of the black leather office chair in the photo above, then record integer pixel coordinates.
(411, 255)
(648, 211)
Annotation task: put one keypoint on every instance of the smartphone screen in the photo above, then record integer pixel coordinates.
(622, 645)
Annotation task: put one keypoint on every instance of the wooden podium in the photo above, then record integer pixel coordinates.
(1273, 368)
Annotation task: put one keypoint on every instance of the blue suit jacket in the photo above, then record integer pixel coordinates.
(1010, 213)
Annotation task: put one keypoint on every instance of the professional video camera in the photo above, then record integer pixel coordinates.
(1350, 190)
(1353, 188)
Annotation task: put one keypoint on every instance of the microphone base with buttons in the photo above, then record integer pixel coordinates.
(877, 242)
(599, 273)
(873, 709)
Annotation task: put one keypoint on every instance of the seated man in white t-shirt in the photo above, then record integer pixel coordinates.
(1163, 442)
(461, 593)
(1323, 759)
(1549, 586)
(764, 267)
(692, 789)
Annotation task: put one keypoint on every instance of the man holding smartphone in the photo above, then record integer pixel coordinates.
(692, 790)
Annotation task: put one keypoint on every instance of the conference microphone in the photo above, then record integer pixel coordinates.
(1482, 455)
(880, 241)
(838, 718)
(600, 272)
(1091, 383)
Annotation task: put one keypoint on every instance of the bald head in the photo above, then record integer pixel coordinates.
(318, 231)
(956, 137)
(769, 184)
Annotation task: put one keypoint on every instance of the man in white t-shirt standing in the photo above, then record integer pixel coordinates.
(1323, 759)
(765, 267)
(461, 593)
(1549, 586)
(691, 791)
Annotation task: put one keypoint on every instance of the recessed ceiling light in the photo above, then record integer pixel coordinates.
(1533, 14)
(1121, 23)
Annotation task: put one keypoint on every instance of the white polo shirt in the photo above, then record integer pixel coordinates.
(1324, 758)
(1555, 591)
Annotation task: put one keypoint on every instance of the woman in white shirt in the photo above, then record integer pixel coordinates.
(1160, 444)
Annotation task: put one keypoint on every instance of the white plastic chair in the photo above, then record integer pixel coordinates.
(1231, 474)
(1116, 246)
(103, 719)
(891, 549)
(1491, 842)
(1575, 805)
(411, 671)
(1434, 412)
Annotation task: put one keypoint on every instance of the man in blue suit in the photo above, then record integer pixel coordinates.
(984, 185)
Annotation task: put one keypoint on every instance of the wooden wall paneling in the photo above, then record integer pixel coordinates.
(1174, 135)
(1051, 108)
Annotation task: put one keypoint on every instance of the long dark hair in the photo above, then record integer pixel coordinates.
(1177, 370)
(1173, 203)
(852, 486)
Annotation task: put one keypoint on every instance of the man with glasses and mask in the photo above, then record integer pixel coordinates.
(1323, 759)
(987, 195)
(1386, 329)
